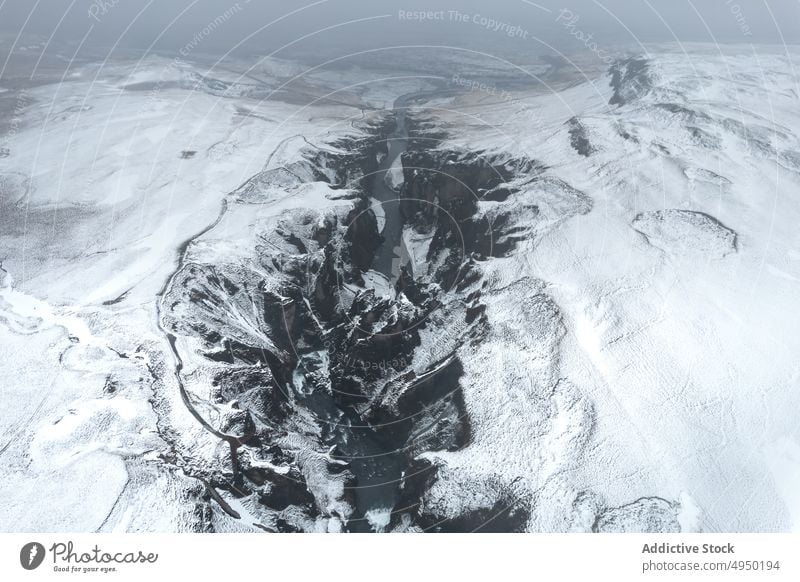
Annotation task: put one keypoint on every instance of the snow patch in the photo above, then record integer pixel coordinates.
(394, 175)
(686, 232)
(689, 514)
(379, 518)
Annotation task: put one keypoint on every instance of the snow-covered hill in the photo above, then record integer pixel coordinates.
(665, 368)
(589, 323)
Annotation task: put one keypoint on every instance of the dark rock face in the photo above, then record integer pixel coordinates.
(630, 79)
(454, 182)
(441, 193)
(579, 138)
(362, 236)
(317, 370)
(253, 389)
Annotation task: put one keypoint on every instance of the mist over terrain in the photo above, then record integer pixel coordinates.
(313, 29)
(339, 266)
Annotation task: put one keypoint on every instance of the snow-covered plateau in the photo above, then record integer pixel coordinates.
(260, 297)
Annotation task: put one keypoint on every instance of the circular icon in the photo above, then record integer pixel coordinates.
(31, 555)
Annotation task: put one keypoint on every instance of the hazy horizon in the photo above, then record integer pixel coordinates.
(338, 27)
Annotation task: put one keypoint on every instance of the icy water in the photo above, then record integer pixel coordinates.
(387, 257)
(376, 465)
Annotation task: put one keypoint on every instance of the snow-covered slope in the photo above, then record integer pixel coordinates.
(109, 173)
(645, 348)
(592, 324)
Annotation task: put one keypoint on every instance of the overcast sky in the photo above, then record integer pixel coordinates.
(329, 27)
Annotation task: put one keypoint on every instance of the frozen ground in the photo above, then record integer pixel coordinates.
(109, 173)
(640, 365)
(652, 351)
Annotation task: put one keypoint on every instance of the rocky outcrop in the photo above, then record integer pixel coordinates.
(287, 343)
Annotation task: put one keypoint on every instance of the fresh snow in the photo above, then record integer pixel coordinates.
(639, 371)
(661, 359)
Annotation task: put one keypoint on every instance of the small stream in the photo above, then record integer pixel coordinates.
(386, 260)
(377, 466)
(386, 257)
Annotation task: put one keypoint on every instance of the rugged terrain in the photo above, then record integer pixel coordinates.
(569, 308)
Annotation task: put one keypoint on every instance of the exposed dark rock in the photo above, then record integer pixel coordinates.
(314, 368)
(645, 515)
(684, 113)
(578, 138)
(630, 79)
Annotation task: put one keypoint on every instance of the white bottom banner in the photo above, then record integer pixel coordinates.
(404, 557)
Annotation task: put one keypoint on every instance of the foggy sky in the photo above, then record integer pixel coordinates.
(325, 27)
